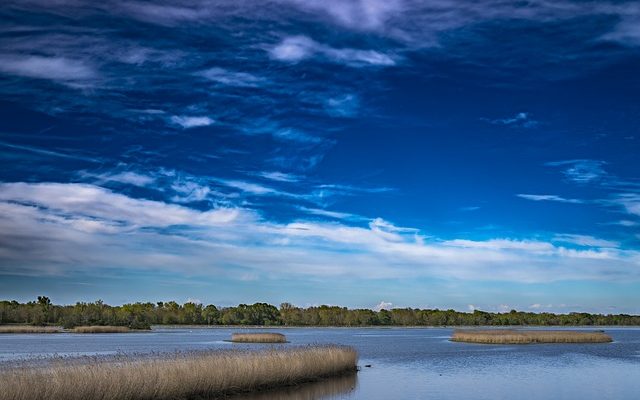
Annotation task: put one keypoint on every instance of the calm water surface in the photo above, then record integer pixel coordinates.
(405, 363)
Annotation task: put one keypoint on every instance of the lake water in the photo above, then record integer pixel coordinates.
(415, 363)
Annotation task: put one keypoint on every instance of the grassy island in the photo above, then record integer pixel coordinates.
(258, 338)
(179, 376)
(102, 329)
(526, 337)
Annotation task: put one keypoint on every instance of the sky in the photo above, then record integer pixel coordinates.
(364, 153)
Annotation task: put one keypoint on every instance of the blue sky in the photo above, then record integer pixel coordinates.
(452, 154)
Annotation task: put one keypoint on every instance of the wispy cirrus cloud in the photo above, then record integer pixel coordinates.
(125, 177)
(331, 214)
(585, 240)
(343, 106)
(279, 176)
(550, 197)
(356, 14)
(186, 121)
(298, 48)
(69, 72)
(231, 78)
(581, 171)
(521, 119)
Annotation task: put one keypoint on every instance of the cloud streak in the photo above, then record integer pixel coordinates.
(294, 49)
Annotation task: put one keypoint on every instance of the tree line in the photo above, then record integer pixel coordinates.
(143, 315)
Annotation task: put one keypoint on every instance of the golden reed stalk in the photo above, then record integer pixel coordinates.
(258, 338)
(526, 337)
(179, 376)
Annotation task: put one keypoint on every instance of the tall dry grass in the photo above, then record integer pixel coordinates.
(29, 329)
(526, 337)
(101, 329)
(179, 376)
(258, 338)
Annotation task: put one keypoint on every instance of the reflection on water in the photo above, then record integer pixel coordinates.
(326, 389)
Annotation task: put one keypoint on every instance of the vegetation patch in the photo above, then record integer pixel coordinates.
(179, 376)
(102, 329)
(527, 337)
(29, 329)
(258, 338)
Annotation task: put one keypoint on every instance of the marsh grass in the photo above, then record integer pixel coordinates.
(258, 338)
(179, 376)
(29, 329)
(527, 337)
(102, 329)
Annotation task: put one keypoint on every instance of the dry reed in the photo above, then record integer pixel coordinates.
(526, 337)
(258, 338)
(179, 376)
(28, 329)
(101, 329)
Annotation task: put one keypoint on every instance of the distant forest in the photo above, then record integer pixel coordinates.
(143, 315)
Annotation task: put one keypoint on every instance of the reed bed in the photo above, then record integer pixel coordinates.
(526, 337)
(258, 338)
(29, 329)
(102, 329)
(179, 376)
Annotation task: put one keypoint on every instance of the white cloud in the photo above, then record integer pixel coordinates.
(189, 191)
(126, 177)
(343, 106)
(89, 201)
(297, 48)
(521, 119)
(549, 197)
(581, 171)
(503, 244)
(191, 122)
(63, 70)
(383, 305)
(330, 214)
(278, 176)
(585, 240)
(231, 78)
(626, 222)
(630, 201)
(356, 14)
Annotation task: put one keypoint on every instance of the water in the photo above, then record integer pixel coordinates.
(405, 363)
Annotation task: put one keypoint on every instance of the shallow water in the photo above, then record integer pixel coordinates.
(415, 363)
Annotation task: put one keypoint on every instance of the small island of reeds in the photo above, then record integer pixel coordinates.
(29, 329)
(511, 336)
(176, 376)
(103, 329)
(258, 338)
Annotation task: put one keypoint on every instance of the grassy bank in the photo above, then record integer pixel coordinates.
(526, 337)
(258, 338)
(102, 329)
(180, 376)
(29, 329)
